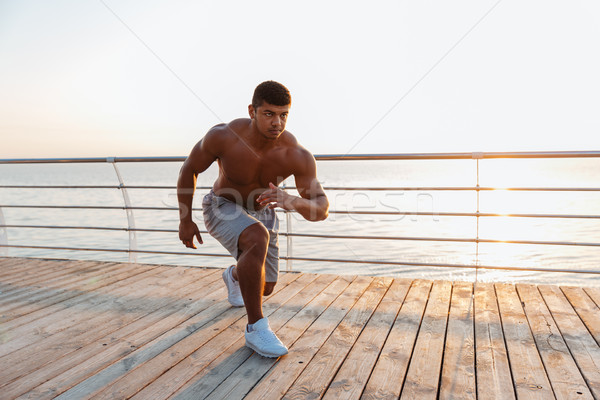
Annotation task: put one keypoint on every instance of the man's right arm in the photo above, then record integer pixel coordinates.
(204, 153)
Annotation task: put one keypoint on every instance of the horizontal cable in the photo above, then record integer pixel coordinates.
(435, 239)
(415, 263)
(106, 228)
(457, 156)
(459, 188)
(330, 157)
(114, 250)
(93, 207)
(89, 160)
(384, 262)
(83, 187)
(458, 214)
(323, 236)
(344, 188)
(396, 238)
(347, 212)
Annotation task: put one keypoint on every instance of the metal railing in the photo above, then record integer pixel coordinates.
(131, 228)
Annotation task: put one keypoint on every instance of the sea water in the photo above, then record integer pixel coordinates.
(400, 220)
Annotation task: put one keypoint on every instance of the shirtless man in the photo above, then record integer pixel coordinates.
(254, 155)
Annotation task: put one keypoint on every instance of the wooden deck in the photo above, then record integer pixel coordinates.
(83, 329)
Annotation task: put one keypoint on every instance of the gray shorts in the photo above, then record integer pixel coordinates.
(226, 220)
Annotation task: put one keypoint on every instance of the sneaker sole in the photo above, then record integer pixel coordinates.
(262, 353)
(229, 290)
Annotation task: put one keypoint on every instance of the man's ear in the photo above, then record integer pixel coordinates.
(251, 111)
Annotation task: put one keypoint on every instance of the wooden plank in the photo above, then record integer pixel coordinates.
(97, 321)
(458, 369)
(26, 268)
(68, 353)
(234, 373)
(44, 327)
(226, 369)
(7, 266)
(354, 373)
(77, 295)
(581, 344)
(165, 385)
(278, 380)
(529, 375)
(23, 281)
(8, 262)
(47, 270)
(422, 379)
(54, 297)
(494, 380)
(565, 378)
(19, 266)
(45, 296)
(149, 371)
(68, 274)
(109, 365)
(206, 302)
(321, 370)
(389, 372)
(588, 311)
(111, 382)
(594, 294)
(31, 289)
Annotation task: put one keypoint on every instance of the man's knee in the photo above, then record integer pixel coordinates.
(269, 286)
(254, 238)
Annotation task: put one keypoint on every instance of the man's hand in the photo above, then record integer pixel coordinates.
(276, 197)
(187, 231)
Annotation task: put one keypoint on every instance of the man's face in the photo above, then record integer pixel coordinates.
(269, 119)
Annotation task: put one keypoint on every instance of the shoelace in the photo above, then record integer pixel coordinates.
(267, 335)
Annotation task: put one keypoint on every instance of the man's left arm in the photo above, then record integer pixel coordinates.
(313, 204)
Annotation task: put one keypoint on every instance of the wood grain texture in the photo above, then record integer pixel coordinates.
(277, 381)
(78, 296)
(586, 309)
(565, 378)
(50, 324)
(494, 380)
(354, 373)
(136, 372)
(390, 369)
(581, 344)
(222, 382)
(458, 370)
(68, 349)
(40, 298)
(149, 334)
(317, 375)
(422, 379)
(34, 285)
(300, 292)
(84, 329)
(529, 375)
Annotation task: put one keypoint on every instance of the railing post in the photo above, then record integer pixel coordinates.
(129, 212)
(288, 226)
(3, 235)
(477, 157)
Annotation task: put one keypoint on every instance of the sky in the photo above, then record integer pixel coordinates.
(96, 78)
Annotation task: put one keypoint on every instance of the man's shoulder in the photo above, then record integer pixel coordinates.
(226, 132)
(295, 152)
(233, 128)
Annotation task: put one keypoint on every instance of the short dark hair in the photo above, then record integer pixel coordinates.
(273, 93)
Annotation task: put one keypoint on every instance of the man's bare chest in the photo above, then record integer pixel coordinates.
(254, 171)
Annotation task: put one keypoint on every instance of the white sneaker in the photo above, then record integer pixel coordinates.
(263, 341)
(234, 294)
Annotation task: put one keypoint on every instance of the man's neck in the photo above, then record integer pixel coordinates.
(257, 140)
